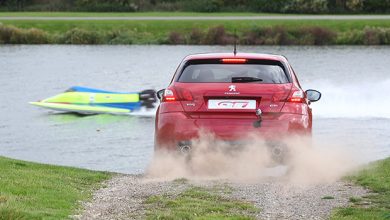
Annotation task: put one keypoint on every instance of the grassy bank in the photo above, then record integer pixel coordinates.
(199, 203)
(200, 32)
(36, 191)
(376, 178)
(127, 14)
(285, 6)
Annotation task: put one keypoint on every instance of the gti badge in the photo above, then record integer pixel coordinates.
(232, 88)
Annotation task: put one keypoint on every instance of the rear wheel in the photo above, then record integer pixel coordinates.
(279, 152)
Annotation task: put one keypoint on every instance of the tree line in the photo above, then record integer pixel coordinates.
(271, 6)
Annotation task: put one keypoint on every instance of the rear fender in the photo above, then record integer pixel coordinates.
(174, 106)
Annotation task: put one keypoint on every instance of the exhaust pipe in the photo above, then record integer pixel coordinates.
(184, 147)
(257, 123)
(277, 151)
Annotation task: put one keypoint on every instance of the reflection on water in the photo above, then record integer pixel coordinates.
(354, 107)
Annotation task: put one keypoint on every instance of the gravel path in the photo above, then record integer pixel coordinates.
(280, 201)
(122, 197)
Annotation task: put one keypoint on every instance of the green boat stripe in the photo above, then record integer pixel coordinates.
(91, 98)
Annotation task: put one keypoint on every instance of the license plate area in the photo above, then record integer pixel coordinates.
(240, 104)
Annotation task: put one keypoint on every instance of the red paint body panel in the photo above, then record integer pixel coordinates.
(177, 126)
(182, 119)
(265, 95)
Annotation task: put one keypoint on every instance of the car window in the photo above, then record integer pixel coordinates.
(223, 73)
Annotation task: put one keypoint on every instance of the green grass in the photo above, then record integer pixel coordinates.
(198, 203)
(376, 178)
(160, 31)
(37, 191)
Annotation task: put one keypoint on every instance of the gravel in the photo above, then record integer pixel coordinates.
(278, 200)
(122, 197)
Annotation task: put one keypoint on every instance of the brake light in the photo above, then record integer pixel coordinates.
(169, 96)
(234, 60)
(297, 96)
(177, 94)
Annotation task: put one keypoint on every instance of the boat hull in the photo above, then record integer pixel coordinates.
(81, 109)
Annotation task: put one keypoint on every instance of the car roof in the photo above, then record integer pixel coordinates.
(256, 56)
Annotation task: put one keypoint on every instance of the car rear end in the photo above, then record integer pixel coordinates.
(232, 97)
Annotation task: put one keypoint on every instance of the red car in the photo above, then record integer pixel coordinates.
(232, 95)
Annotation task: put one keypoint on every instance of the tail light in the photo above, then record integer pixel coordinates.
(296, 102)
(297, 96)
(169, 95)
(176, 94)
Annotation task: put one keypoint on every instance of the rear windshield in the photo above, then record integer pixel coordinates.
(227, 73)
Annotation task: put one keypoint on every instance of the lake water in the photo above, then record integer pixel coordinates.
(354, 81)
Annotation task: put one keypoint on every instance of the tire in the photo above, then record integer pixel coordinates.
(279, 152)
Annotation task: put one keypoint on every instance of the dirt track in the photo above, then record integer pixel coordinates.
(123, 196)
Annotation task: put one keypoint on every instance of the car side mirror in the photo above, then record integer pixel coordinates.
(313, 95)
(160, 94)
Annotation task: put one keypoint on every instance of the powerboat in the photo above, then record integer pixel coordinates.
(85, 100)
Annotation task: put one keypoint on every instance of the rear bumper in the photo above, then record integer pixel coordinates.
(175, 127)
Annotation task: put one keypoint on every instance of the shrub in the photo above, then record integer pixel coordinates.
(175, 38)
(167, 6)
(218, 36)
(106, 6)
(14, 35)
(18, 37)
(320, 35)
(280, 35)
(355, 37)
(307, 6)
(264, 36)
(203, 5)
(376, 36)
(81, 36)
(354, 5)
(195, 37)
(249, 38)
(377, 6)
(36, 36)
(267, 5)
(119, 37)
(6, 33)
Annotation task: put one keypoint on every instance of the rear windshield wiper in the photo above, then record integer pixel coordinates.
(245, 79)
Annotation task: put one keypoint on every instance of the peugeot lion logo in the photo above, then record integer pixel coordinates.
(232, 88)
